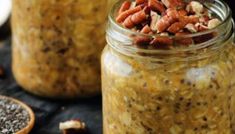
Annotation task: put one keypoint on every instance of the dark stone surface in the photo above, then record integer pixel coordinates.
(49, 113)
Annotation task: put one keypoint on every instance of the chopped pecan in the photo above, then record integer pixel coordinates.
(200, 27)
(191, 28)
(164, 23)
(174, 3)
(138, 2)
(134, 19)
(161, 40)
(189, 19)
(146, 29)
(173, 13)
(204, 19)
(156, 6)
(125, 6)
(181, 40)
(154, 19)
(195, 7)
(176, 27)
(213, 23)
(138, 17)
(182, 12)
(121, 17)
(73, 127)
(142, 42)
(128, 22)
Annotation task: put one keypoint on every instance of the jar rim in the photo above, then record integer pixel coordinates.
(225, 19)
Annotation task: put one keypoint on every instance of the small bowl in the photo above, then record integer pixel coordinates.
(30, 125)
(5, 10)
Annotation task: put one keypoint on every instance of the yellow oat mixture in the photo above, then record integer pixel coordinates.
(57, 46)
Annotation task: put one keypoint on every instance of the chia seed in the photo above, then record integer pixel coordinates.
(13, 117)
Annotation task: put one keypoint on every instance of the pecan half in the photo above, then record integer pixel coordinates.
(164, 23)
(173, 13)
(189, 19)
(146, 29)
(156, 6)
(121, 17)
(128, 22)
(138, 17)
(134, 19)
(125, 6)
(176, 27)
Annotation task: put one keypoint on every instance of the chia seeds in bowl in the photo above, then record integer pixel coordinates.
(15, 116)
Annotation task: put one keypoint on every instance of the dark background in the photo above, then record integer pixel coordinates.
(231, 3)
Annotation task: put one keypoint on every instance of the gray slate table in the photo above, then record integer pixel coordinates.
(49, 113)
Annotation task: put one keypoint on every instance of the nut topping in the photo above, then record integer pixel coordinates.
(172, 17)
(125, 6)
(155, 18)
(213, 23)
(195, 7)
(191, 28)
(73, 127)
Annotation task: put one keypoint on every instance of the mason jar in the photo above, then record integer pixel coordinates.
(184, 90)
(57, 46)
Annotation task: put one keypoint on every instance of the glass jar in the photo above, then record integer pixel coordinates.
(186, 90)
(57, 46)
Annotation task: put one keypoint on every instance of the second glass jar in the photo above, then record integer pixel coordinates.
(57, 46)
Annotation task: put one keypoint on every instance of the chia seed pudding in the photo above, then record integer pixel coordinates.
(57, 46)
(156, 83)
(13, 117)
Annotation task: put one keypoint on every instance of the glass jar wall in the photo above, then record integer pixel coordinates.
(57, 46)
(188, 90)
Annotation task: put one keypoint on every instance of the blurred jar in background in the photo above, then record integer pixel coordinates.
(111, 3)
(57, 46)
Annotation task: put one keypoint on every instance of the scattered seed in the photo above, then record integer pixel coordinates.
(12, 117)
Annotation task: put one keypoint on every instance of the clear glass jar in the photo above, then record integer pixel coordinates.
(187, 90)
(57, 46)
